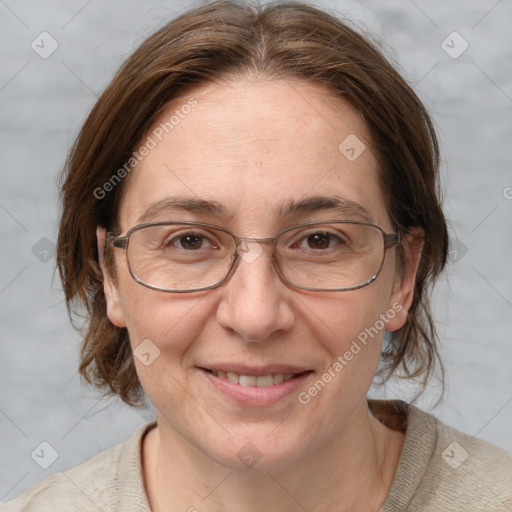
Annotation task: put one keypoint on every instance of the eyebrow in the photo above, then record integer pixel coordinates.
(312, 204)
(340, 204)
(182, 203)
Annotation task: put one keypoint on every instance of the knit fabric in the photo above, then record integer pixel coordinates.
(440, 469)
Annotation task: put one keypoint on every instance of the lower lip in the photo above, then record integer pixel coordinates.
(255, 396)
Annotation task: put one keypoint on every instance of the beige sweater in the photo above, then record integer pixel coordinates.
(440, 470)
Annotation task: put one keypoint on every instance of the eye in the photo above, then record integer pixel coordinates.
(320, 240)
(189, 242)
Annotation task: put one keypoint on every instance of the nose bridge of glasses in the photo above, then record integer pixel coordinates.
(245, 240)
(249, 249)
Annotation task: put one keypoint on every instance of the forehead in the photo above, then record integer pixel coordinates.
(254, 148)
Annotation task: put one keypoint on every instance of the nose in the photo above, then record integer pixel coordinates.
(255, 304)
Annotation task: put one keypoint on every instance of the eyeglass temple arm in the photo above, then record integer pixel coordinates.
(392, 239)
(116, 241)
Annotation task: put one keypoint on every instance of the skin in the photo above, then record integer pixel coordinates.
(252, 145)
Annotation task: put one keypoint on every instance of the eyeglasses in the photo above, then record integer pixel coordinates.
(187, 256)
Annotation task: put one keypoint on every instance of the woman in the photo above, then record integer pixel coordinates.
(250, 207)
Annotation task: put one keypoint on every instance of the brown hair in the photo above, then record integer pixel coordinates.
(215, 41)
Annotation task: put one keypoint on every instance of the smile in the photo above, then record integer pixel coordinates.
(261, 381)
(263, 387)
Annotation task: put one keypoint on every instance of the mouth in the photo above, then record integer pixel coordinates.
(250, 386)
(260, 381)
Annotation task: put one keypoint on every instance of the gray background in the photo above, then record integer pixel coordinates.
(44, 102)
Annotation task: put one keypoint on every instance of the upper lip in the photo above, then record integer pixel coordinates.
(244, 369)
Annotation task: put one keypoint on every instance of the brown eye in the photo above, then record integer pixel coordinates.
(190, 242)
(322, 240)
(319, 240)
(187, 241)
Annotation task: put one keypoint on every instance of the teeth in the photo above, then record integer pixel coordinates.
(262, 381)
(233, 377)
(245, 380)
(278, 378)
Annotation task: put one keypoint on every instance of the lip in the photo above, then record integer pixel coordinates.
(253, 396)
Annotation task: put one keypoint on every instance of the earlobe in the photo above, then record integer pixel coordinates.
(112, 298)
(403, 292)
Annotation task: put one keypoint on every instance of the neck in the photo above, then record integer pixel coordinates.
(353, 471)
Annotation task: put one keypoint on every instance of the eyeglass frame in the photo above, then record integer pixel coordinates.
(122, 242)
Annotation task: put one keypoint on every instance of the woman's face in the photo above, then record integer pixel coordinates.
(252, 148)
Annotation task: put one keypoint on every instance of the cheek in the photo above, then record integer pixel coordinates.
(350, 328)
(349, 316)
(166, 327)
(172, 323)
(166, 323)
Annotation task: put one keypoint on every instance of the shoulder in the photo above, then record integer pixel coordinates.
(453, 471)
(441, 468)
(78, 486)
(468, 472)
(91, 486)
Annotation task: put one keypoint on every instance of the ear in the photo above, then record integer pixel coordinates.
(112, 297)
(403, 290)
